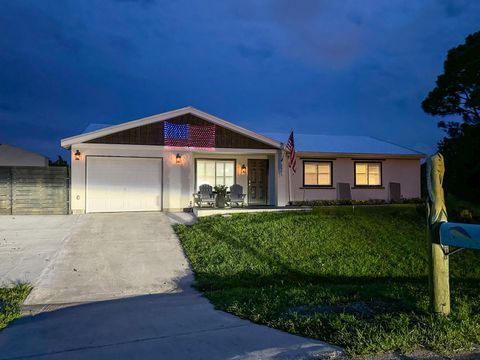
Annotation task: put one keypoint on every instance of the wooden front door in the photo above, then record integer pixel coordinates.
(257, 182)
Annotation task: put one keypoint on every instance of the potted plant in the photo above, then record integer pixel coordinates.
(221, 197)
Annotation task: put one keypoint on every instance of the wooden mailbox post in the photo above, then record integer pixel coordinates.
(439, 268)
(442, 235)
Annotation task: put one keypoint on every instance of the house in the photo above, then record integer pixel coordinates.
(14, 156)
(158, 162)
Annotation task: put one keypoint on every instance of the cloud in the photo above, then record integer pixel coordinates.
(454, 8)
(317, 32)
(261, 52)
(325, 66)
(7, 107)
(143, 2)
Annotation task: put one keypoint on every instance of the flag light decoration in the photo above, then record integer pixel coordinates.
(186, 135)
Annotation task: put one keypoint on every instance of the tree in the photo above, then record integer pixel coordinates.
(58, 162)
(457, 92)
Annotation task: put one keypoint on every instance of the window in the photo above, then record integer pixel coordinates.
(317, 173)
(368, 174)
(215, 172)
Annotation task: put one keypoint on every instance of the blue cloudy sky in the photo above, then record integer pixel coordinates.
(357, 67)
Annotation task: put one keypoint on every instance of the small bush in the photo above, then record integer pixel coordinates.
(11, 298)
(314, 203)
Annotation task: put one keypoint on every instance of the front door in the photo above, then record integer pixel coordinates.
(257, 182)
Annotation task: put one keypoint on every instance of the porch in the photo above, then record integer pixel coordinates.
(202, 212)
(252, 174)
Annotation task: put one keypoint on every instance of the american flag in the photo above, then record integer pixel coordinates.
(186, 135)
(290, 147)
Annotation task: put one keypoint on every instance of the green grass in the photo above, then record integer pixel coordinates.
(11, 298)
(356, 279)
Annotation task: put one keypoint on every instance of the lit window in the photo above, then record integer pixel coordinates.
(215, 172)
(368, 174)
(317, 173)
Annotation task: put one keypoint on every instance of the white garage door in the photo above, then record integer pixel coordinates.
(117, 184)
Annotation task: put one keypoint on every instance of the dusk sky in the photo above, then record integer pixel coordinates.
(326, 67)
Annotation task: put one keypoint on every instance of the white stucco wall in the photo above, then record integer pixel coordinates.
(178, 179)
(14, 156)
(404, 171)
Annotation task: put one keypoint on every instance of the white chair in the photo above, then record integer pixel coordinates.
(204, 196)
(236, 196)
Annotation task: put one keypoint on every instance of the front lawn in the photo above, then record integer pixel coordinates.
(356, 278)
(11, 298)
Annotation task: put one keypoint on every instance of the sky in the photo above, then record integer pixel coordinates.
(317, 66)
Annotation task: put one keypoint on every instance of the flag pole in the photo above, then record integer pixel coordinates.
(289, 186)
(289, 172)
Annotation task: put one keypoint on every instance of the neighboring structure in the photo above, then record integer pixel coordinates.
(158, 162)
(29, 186)
(14, 156)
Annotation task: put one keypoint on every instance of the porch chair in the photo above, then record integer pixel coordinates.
(204, 196)
(236, 195)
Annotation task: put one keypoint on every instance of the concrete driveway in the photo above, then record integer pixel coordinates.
(111, 256)
(28, 244)
(119, 286)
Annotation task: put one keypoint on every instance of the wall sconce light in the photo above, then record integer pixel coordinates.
(244, 169)
(77, 155)
(178, 159)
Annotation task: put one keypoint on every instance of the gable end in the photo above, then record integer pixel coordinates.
(154, 134)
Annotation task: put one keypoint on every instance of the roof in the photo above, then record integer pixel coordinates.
(345, 144)
(304, 143)
(11, 155)
(96, 130)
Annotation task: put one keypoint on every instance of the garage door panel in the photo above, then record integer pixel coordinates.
(117, 184)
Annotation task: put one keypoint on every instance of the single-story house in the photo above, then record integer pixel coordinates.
(14, 156)
(158, 162)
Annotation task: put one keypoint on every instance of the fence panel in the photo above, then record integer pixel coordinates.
(34, 190)
(5, 191)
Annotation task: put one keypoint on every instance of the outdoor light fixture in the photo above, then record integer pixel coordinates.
(244, 169)
(178, 159)
(77, 155)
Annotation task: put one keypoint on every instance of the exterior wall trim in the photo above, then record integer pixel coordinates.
(362, 156)
(194, 151)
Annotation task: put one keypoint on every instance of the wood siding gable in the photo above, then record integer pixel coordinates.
(153, 134)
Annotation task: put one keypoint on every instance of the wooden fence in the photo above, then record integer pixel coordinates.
(34, 190)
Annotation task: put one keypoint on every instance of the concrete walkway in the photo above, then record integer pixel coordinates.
(120, 287)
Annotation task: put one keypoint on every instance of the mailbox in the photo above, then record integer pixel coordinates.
(460, 235)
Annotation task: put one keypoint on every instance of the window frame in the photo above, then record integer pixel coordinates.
(367, 162)
(215, 160)
(315, 161)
